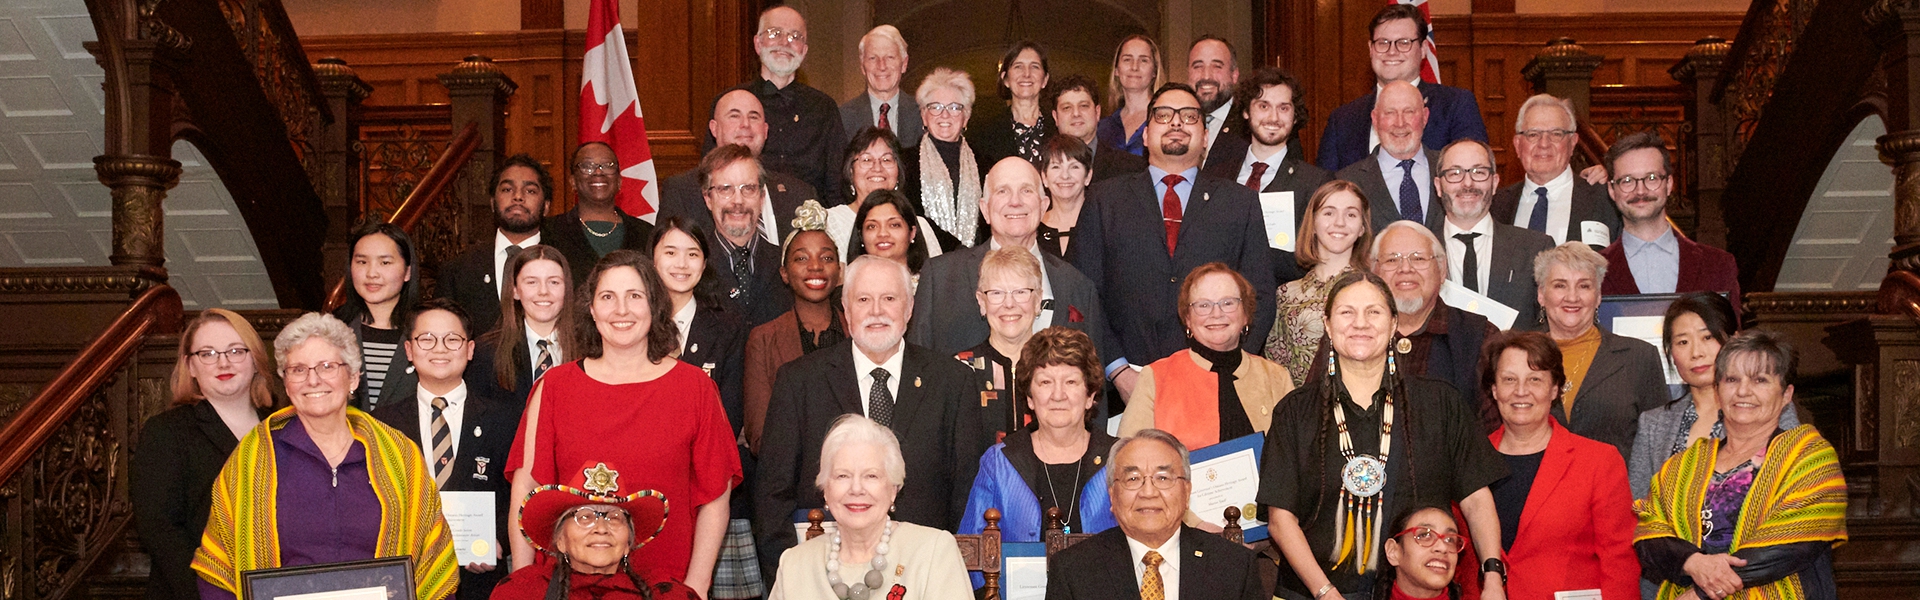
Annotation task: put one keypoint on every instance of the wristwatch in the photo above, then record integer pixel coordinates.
(1494, 565)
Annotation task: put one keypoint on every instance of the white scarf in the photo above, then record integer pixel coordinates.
(950, 210)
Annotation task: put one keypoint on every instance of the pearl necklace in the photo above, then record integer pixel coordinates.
(875, 575)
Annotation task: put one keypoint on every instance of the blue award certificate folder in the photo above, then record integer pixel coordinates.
(1228, 474)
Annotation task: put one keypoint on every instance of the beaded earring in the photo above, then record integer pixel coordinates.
(1391, 368)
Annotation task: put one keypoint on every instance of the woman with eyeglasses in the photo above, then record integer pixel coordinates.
(1138, 70)
(1566, 515)
(1212, 391)
(1424, 553)
(384, 268)
(1025, 125)
(222, 386)
(1009, 297)
(944, 178)
(872, 164)
(591, 527)
(322, 482)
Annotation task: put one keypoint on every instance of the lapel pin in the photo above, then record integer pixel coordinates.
(1206, 197)
(1289, 170)
(476, 431)
(780, 187)
(694, 349)
(916, 382)
(796, 118)
(1198, 553)
(487, 278)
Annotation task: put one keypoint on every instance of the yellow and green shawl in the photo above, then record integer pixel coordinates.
(242, 529)
(1797, 496)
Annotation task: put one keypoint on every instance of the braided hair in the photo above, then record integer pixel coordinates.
(560, 585)
(1330, 389)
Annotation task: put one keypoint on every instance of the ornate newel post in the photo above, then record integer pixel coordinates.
(1564, 69)
(139, 184)
(137, 167)
(335, 171)
(479, 91)
(1700, 72)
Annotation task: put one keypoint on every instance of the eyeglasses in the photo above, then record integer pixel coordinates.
(1163, 481)
(1533, 136)
(426, 341)
(591, 169)
(208, 357)
(1385, 46)
(1164, 115)
(1457, 174)
(326, 369)
(1426, 536)
(586, 517)
(751, 190)
(1395, 261)
(1511, 384)
(1020, 296)
(950, 108)
(1628, 183)
(868, 161)
(1204, 308)
(775, 34)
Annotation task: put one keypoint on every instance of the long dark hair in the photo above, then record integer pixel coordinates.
(513, 320)
(355, 309)
(1384, 578)
(706, 293)
(560, 584)
(866, 137)
(1331, 387)
(916, 250)
(662, 337)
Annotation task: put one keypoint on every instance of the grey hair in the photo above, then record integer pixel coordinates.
(943, 77)
(1760, 350)
(1538, 100)
(1576, 255)
(317, 325)
(885, 32)
(852, 429)
(1439, 249)
(1186, 461)
(861, 262)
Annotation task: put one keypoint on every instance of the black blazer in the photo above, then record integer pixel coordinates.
(179, 454)
(911, 187)
(1101, 567)
(942, 449)
(487, 428)
(1510, 273)
(469, 281)
(566, 234)
(1294, 174)
(992, 137)
(1230, 147)
(759, 299)
(1110, 162)
(946, 317)
(680, 197)
(1590, 203)
(1366, 174)
(1122, 247)
(480, 375)
(1624, 380)
(717, 345)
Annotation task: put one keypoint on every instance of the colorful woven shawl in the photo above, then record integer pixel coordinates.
(1799, 495)
(242, 530)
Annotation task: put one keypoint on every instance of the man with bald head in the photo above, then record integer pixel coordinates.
(1397, 178)
(804, 136)
(1395, 49)
(738, 118)
(1012, 200)
(883, 62)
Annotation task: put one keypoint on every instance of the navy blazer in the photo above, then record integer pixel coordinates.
(1452, 114)
(857, 114)
(487, 427)
(469, 281)
(1380, 202)
(1294, 174)
(1101, 567)
(1122, 247)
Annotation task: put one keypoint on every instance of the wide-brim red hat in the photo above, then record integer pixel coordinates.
(595, 484)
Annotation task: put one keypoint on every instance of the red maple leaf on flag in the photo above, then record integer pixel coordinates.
(606, 93)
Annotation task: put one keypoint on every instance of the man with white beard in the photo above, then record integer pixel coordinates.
(1397, 178)
(1483, 254)
(804, 134)
(918, 393)
(745, 264)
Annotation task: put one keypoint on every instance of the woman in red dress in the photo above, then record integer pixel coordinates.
(629, 401)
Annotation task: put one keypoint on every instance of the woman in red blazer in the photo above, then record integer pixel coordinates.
(1566, 512)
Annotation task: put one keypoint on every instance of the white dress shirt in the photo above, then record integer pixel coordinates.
(1482, 252)
(1219, 119)
(1272, 162)
(500, 243)
(863, 369)
(1044, 318)
(893, 112)
(1559, 204)
(683, 319)
(456, 405)
(1169, 565)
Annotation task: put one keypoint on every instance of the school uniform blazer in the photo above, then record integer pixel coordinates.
(469, 281)
(1624, 380)
(680, 197)
(946, 315)
(1294, 174)
(1590, 203)
(1380, 201)
(487, 426)
(1101, 568)
(858, 113)
(1576, 532)
(717, 345)
(1452, 114)
(1703, 268)
(480, 373)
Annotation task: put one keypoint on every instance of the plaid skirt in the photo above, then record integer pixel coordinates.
(736, 575)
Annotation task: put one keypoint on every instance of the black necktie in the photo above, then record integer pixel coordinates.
(1410, 195)
(1538, 220)
(1469, 262)
(880, 401)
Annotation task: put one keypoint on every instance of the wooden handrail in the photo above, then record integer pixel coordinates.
(1590, 145)
(432, 185)
(156, 310)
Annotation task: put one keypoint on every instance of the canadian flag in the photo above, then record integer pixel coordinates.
(1430, 65)
(610, 110)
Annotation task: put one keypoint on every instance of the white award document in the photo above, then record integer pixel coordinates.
(368, 593)
(1595, 233)
(1458, 296)
(1023, 574)
(470, 515)
(1276, 208)
(1647, 329)
(1577, 595)
(1229, 479)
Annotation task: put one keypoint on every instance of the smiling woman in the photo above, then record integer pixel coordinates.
(1212, 391)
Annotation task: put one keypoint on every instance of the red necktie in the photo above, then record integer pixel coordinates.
(1253, 181)
(1170, 210)
(883, 119)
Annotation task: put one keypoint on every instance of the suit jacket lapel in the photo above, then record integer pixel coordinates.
(843, 381)
(1688, 279)
(907, 402)
(1553, 469)
(1604, 366)
(1115, 566)
(214, 428)
(470, 419)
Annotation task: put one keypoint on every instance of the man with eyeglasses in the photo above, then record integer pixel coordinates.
(1552, 199)
(595, 226)
(1271, 161)
(1485, 255)
(1397, 178)
(521, 189)
(1652, 257)
(1140, 234)
(745, 263)
(1396, 47)
(1149, 478)
(738, 118)
(883, 61)
(464, 436)
(1074, 101)
(804, 135)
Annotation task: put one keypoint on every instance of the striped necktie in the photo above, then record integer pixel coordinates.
(442, 443)
(546, 359)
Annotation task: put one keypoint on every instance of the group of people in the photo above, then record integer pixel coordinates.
(925, 321)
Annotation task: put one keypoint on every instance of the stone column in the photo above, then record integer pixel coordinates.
(1700, 72)
(479, 91)
(336, 176)
(1564, 69)
(139, 183)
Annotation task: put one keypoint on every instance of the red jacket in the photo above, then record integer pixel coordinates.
(1703, 268)
(1576, 532)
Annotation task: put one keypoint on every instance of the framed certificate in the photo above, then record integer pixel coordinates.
(1023, 570)
(1228, 474)
(375, 579)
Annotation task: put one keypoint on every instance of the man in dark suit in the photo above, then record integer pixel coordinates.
(1652, 257)
(1140, 234)
(1149, 481)
(473, 279)
(1397, 178)
(463, 436)
(737, 119)
(1213, 69)
(1483, 254)
(595, 226)
(918, 393)
(1395, 47)
(1269, 163)
(883, 60)
(1574, 210)
(949, 319)
(1075, 103)
(747, 262)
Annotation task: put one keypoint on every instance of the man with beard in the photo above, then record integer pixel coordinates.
(1397, 179)
(1396, 48)
(883, 61)
(595, 226)
(1213, 69)
(746, 266)
(1552, 200)
(916, 392)
(1483, 254)
(1075, 104)
(520, 191)
(804, 135)
(738, 118)
(1140, 234)
(1652, 257)
(1271, 162)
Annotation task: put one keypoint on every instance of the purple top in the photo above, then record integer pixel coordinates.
(1725, 494)
(326, 515)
